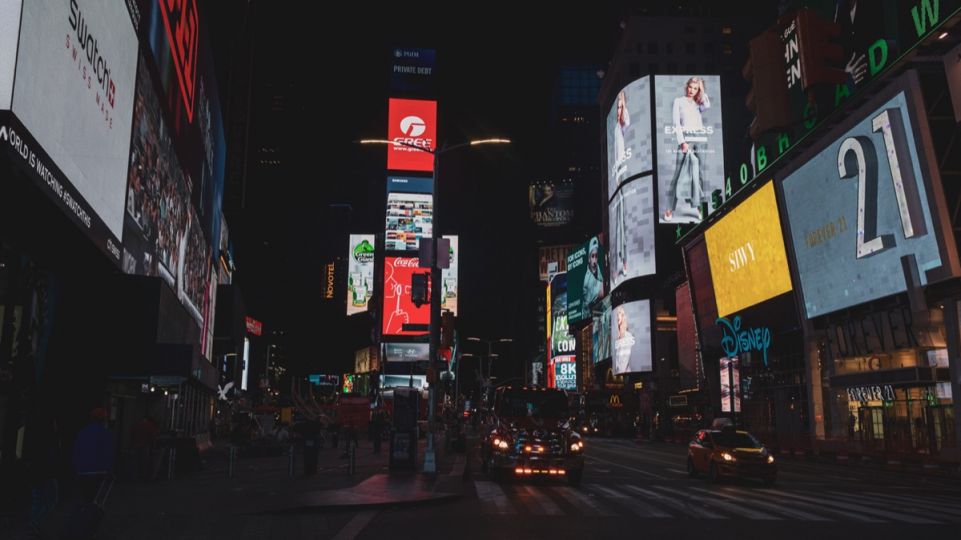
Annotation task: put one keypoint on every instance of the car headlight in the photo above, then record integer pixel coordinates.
(726, 456)
(575, 447)
(500, 443)
(770, 459)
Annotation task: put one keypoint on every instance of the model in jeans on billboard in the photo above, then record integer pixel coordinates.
(686, 183)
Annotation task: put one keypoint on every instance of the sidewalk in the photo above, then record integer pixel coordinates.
(212, 503)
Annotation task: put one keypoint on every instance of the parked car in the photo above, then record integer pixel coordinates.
(728, 452)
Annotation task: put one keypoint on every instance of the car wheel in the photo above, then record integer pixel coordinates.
(574, 476)
(713, 474)
(691, 469)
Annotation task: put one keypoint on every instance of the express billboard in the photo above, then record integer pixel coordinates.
(360, 272)
(398, 308)
(631, 218)
(865, 207)
(690, 144)
(629, 134)
(410, 215)
(412, 127)
(585, 279)
(747, 255)
(67, 72)
(631, 337)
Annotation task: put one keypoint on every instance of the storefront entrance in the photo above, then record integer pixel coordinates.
(911, 426)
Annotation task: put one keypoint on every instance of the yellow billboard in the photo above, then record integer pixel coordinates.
(746, 253)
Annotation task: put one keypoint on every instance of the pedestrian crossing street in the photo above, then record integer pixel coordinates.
(715, 503)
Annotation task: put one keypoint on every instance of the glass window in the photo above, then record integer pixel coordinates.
(734, 439)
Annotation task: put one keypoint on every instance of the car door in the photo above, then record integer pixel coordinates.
(699, 453)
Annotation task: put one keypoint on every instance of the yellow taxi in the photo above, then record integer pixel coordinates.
(728, 452)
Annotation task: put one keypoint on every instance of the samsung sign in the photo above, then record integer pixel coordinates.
(867, 202)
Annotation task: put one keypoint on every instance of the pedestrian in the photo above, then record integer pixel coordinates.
(93, 454)
(143, 437)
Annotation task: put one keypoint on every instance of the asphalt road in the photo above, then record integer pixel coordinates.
(632, 490)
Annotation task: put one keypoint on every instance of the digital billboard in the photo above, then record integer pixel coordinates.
(629, 134)
(690, 144)
(410, 215)
(398, 308)
(730, 375)
(412, 127)
(585, 279)
(448, 301)
(631, 337)
(631, 218)
(553, 259)
(687, 358)
(551, 203)
(412, 70)
(360, 272)
(562, 343)
(72, 91)
(404, 381)
(406, 352)
(864, 203)
(565, 373)
(746, 252)
(601, 330)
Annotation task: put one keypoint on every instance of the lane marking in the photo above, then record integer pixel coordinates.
(355, 525)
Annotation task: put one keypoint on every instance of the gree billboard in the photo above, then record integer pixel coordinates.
(746, 252)
(412, 127)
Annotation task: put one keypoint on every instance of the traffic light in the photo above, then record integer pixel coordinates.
(418, 288)
(821, 59)
(766, 72)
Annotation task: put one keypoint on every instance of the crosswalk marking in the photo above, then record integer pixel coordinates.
(809, 504)
(580, 499)
(645, 473)
(835, 502)
(772, 507)
(633, 504)
(914, 502)
(678, 505)
(493, 494)
(741, 510)
(539, 503)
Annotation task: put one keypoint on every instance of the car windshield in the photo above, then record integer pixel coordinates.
(537, 403)
(732, 439)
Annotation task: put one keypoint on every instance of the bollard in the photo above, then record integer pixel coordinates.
(290, 461)
(231, 456)
(171, 462)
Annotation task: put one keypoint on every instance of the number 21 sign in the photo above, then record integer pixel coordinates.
(865, 205)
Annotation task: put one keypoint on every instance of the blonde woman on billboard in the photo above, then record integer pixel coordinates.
(688, 130)
(623, 119)
(623, 344)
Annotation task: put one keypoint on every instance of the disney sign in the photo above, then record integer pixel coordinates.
(736, 341)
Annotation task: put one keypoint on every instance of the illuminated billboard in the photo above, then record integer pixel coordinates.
(565, 373)
(690, 144)
(601, 331)
(746, 252)
(398, 309)
(448, 301)
(553, 259)
(631, 218)
(406, 352)
(730, 375)
(585, 279)
(360, 272)
(410, 215)
(67, 72)
(551, 203)
(562, 343)
(629, 134)
(866, 202)
(687, 349)
(412, 126)
(631, 337)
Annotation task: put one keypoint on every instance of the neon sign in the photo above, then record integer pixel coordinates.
(736, 341)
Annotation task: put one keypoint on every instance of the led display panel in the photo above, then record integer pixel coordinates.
(398, 308)
(864, 204)
(585, 277)
(746, 252)
(690, 144)
(406, 352)
(410, 215)
(448, 301)
(412, 127)
(629, 134)
(360, 272)
(601, 331)
(631, 337)
(631, 218)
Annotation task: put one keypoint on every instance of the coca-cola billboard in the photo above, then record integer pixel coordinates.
(399, 309)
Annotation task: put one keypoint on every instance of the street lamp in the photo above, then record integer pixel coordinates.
(436, 286)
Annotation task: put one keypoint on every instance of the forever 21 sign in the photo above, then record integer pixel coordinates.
(864, 201)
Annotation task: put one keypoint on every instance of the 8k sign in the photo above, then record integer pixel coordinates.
(412, 128)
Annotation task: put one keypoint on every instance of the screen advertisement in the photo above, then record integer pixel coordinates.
(860, 205)
(412, 70)
(730, 374)
(585, 279)
(561, 340)
(448, 302)
(404, 381)
(409, 212)
(551, 203)
(565, 373)
(631, 337)
(601, 330)
(398, 307)
(360, 272)
(406, 352)
(690, 144)
(412, 126)
(686, 338)
(553, 259)
(631, 215)
(73, 91)
(746, 252)
(629, 134)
